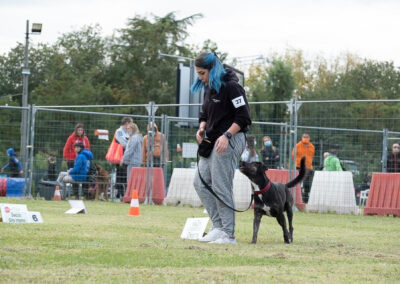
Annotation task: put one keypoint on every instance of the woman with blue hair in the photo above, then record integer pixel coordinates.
(14, 165)
(224, 120)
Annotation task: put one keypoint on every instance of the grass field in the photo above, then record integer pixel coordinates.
(108, 246)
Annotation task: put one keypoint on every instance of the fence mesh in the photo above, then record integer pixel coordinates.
(361, 132)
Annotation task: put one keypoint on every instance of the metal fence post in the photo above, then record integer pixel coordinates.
(290, 107)
(31, 150)
(294, 119)
(27, 169)
(384, 149)
(285, 161)
(164, 127)
(151, 109)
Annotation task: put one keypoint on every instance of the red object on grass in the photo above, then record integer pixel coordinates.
(384, 195)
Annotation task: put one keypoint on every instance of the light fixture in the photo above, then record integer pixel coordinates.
(36, 28)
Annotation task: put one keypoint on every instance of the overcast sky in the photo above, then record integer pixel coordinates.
(328, 28)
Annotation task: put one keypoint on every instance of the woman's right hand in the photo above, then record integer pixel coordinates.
(200, 134)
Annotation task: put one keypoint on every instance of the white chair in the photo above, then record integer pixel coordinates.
(364, 197)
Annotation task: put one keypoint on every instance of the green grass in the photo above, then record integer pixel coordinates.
(108, 246)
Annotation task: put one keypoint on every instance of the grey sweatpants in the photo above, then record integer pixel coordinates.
(218, 171)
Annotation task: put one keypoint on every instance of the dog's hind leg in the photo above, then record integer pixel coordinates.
(256, 225)
(282, 221)
(106, 192)
(289, 213)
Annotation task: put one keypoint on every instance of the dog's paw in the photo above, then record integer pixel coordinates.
(288, 240)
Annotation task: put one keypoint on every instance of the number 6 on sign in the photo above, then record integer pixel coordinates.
(35, 217)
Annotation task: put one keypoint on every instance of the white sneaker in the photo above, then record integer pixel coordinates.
(224, 239)
(213, 235)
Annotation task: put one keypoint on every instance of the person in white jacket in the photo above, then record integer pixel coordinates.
(250, 154)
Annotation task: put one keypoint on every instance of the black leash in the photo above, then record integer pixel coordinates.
(216, 196)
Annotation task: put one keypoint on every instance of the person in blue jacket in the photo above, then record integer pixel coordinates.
(81, 167)
(14, 165)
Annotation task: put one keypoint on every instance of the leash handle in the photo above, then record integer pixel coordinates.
(216, 196)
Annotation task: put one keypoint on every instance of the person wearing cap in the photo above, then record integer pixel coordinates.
(14, 165)
(81, 167)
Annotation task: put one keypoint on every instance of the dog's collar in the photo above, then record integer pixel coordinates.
(264, 190)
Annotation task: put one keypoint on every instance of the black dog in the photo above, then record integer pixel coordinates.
(273, 199)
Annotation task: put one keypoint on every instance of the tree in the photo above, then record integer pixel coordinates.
(10, 75)
(271, 83)
(136, 73)
(73, 71)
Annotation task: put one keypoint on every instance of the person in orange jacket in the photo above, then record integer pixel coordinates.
(305, 149)
(159, 147)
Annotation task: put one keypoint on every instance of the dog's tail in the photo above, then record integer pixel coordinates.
(301, 175)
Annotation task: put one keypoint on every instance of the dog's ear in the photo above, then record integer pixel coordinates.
(264, 167)
(261, 167)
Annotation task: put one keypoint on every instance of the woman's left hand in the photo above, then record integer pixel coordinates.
(221, 144)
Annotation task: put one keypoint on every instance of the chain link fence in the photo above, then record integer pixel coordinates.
(361, 132)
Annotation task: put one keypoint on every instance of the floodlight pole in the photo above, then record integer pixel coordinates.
(25, 78)
(36, 29)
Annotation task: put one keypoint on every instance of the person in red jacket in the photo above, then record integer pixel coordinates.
(77, 136)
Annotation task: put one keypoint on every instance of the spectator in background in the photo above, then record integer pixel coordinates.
(122, 135)
(331, 162)
(14, 165)
(51, 168)
(250, 154)
(269, 153)
(158, 146)
(78, 135)
(80, 170)
(133, 152)
(393, 159)
(305, 149)
(322, 167)
(365, 184)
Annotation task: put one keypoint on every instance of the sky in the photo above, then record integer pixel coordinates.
(243, 29)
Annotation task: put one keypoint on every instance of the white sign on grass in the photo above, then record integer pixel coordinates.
(14, 213)
(194, 228)
(77, 206)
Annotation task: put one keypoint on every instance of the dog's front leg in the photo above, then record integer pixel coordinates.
(256, 224)
(96, 197)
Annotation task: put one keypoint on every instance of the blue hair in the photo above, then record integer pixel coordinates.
(211, 62)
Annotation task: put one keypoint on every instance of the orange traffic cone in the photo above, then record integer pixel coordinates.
(57, 194)
(134, 210)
